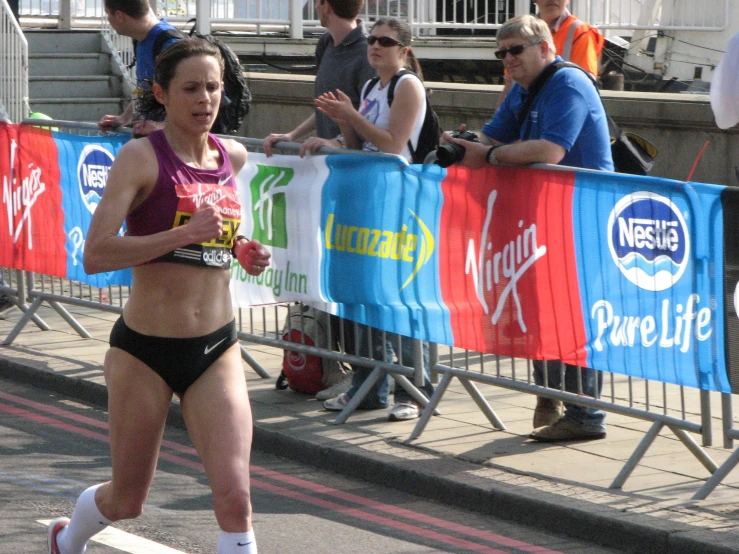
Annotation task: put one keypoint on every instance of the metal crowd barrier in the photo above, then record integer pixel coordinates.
(730, 432)
(650, 401)
(682, 410)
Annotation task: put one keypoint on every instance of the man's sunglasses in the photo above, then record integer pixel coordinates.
(513, 50)
(385, 42)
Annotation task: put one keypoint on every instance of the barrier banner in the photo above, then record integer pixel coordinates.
(281, 207)
(651, 271)
(84, 164)
(52, 183)
(615, 272)
(31, 221)
(610, 271)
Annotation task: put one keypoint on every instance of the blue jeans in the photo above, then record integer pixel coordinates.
(589, 418)
(391, 346)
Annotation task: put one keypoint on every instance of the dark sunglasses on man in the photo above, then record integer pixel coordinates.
(514, 50)
(385, 42)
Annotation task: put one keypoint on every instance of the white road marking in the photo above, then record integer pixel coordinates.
(126, 542)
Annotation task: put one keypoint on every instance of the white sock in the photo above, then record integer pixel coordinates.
(237, 543)
(86, 521)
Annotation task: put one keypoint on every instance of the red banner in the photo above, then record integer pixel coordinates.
(512, 268)
(31, 219)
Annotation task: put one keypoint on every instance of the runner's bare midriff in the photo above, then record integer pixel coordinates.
(177, 300)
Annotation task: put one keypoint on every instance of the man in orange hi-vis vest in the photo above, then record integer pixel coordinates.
(575, 40)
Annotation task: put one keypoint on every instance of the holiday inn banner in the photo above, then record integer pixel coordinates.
(622, 273)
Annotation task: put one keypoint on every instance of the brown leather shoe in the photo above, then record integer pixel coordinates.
(547, 411)
(565, 430)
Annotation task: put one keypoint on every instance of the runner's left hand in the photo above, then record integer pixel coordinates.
(252, 256)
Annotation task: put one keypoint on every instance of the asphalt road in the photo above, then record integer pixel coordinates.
(53, 447)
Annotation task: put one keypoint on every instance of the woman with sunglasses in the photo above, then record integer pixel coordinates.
(379, 126)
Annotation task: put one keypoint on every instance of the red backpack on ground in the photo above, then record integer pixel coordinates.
(302, 372)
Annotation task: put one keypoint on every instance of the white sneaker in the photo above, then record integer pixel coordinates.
(337, 404)
(54, 527)
(404, 411)
(335, 390)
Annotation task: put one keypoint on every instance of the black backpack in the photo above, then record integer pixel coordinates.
(428, 139)
(236, 97)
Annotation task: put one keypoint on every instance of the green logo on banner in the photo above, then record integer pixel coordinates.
(269, 206)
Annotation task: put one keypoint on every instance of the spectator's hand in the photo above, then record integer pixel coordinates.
(444, 139)
(474, 154)
(336, 106)
(252, 256)
(314, 143)
(109, 123)
(144, 127)
(273, 138)
(205, 224)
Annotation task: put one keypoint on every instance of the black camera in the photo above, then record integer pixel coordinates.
(448, 154)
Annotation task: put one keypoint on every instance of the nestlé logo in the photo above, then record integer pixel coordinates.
(649, 240)
(92, 174)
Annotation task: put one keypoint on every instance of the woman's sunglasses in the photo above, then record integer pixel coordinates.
(385, 42)
(513, 50)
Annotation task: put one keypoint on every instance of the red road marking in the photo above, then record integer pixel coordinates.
(295, 481)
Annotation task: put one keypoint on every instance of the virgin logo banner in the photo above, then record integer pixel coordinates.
(511, 259)
(610, 271)
(30, 220)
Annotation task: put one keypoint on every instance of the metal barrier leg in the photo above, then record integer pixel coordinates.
(402, 381)
(40, 323)
(483, 404)
(430, 408)
(717, 476)
(727, 419)
(29, 313)
(255, 365)
(695, 448)
(638, 454)
(706, 429)
(73, 323)
(433, 360)
(369, 382)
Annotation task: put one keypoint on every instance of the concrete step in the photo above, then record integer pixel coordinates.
(60, 64)
(53, 41)
(75, 86)
(78, 109)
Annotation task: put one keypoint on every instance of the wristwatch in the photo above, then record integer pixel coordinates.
(489, 157)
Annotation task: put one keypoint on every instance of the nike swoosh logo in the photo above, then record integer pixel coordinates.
(209, 349)
(242, 544)
(222, 182)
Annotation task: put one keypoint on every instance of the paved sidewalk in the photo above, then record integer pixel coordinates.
(459, 458)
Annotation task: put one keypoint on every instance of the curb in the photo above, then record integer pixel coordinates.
(445, 479)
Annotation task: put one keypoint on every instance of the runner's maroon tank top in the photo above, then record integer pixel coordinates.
(179, 190)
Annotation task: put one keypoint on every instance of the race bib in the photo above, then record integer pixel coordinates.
(216, 252)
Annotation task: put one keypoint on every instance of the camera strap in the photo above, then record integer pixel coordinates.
(536, 87)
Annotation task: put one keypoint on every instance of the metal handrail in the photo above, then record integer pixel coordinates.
(425, 16)
(14, 61)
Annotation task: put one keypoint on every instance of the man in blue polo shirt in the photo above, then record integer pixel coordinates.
(566, 124)
(136, 19)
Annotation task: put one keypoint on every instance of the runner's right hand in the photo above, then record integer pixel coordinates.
(205, 224)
